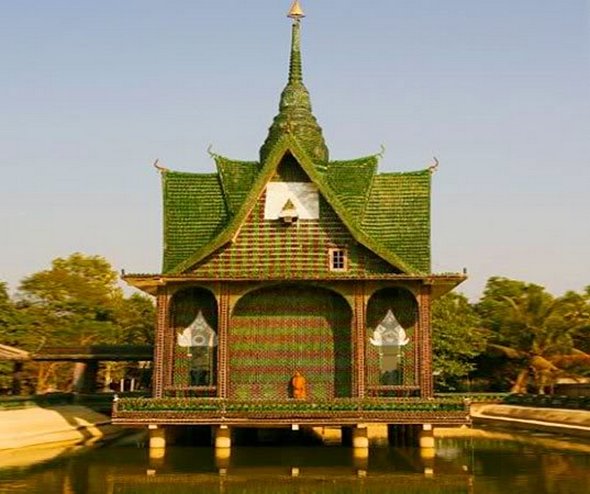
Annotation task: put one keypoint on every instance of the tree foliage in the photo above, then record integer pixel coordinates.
(536, 331)
(457, 339)
(76, 302)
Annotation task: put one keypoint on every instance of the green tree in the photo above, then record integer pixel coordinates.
(7, 313)
(533, 329)
(8, 337)
(77, 302)
(457, 339)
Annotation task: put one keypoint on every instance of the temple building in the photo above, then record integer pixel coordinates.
(295, 289)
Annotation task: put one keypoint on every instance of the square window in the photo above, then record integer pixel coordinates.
(338, 260)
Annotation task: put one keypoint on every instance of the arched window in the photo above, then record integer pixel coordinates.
(194, 322)
(391, 348)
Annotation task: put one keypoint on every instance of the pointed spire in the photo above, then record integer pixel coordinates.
(295, 114)
(295, 65)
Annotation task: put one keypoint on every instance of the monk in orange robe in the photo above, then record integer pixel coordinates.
(298, 386)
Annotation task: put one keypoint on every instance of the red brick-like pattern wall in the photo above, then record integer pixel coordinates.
(277, 331)
(271, 249)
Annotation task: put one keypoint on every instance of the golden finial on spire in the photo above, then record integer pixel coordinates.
(296, 12)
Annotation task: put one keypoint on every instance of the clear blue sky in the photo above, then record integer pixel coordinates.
(92, 92)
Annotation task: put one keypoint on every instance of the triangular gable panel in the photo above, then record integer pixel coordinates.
(288, 145)
(271, 248)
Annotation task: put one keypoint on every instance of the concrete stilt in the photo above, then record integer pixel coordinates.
(427, 436)
(427, 456)
(360, 449)
(157, 441)
(360, 461)
(222, 437)
(222, 460)
(360, 437)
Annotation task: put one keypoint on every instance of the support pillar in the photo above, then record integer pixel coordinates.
(425, 342)
(358, 343)
(157, 441)
(162, 319)
(85, 374)
(360, 437)
(222, 331)
(222, 438)
(222, 443)
(427, 449)
(360, 449)
(427, 437)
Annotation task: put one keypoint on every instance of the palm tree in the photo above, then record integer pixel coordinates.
(535, 330)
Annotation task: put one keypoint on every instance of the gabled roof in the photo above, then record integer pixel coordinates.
(237, 178)
(397, 212)
(12, 353)
(346, 204)
(388, 214)
(351, 180)
(195, 212)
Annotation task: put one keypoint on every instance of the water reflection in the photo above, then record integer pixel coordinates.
(484, 463)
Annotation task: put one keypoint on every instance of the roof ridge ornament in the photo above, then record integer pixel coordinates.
(160, 168)
(434, 167)
(296, 12)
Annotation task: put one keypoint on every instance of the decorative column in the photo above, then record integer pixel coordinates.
(223, 330)
(358, 343)
(425, 334)
(162, 323)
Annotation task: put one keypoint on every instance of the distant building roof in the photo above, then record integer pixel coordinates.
(11, 353)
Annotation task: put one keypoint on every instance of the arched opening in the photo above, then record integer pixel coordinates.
(280, 330)
(391, 361)
(194, 356)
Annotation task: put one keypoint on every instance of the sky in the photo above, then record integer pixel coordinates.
(91, 93)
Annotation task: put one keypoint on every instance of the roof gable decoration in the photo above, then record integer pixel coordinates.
(289, 144)
(292, 198)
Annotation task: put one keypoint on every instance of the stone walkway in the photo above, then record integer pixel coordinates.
(555, 420)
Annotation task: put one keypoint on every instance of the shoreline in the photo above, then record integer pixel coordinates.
(67, 425)
(563, 421)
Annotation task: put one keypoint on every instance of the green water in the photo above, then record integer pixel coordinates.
(513, 465)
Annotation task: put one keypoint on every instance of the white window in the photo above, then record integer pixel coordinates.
(303, 196)
(338, 260)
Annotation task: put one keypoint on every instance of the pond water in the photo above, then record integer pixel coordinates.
(486, 463)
